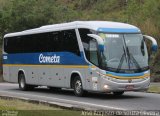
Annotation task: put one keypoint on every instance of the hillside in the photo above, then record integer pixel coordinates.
(18, 15)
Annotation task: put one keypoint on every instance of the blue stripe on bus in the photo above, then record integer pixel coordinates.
(126, 75)
(119, 30)
(66, 58)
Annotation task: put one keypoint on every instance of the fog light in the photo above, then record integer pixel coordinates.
(105, 86)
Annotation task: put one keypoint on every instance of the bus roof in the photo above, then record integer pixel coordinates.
(101, 26)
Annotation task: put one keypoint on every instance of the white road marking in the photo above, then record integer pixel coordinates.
(65, 100)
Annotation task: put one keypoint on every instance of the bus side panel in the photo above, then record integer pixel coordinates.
(31, 75)
(57, 75)
(93, 80)
(6, 73)
(13, 74)
(51, 76)
(29, 72)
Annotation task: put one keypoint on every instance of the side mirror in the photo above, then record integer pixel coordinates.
(154, 42)
(99, 40)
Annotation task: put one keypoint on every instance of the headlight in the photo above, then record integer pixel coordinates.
(105, 87)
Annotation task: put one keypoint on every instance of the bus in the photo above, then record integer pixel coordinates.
(86, 56)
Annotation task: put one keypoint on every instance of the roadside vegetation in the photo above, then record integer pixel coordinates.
(18, 15)
(154, 89)
(16, 107)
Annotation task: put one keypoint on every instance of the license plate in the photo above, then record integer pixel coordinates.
(129, 87)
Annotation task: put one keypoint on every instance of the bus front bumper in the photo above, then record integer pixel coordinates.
(125, 85)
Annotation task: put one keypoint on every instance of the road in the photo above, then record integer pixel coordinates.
(129, 101)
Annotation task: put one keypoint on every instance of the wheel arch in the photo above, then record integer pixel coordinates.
(73, 74)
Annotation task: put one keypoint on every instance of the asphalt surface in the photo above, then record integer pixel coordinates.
(129, 101)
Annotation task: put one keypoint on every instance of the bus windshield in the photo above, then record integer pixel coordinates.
(124, 53)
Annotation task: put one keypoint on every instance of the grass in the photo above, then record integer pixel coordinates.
(154, 89)
(24, 108)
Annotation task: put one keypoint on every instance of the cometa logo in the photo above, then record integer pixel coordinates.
(49, 59)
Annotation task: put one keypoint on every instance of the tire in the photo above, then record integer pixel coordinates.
(119, 93)
(77, 86)
(22, 83)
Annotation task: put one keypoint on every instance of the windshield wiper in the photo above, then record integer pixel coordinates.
(122, 59)
(133, 59)
(130, 56)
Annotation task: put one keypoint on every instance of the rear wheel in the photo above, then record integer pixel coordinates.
(77, 85)
(119, 93)
(22, 83)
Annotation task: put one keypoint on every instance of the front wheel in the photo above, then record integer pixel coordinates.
(119, 93)
(78, 89)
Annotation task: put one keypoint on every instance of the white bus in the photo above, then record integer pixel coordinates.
(94, 56)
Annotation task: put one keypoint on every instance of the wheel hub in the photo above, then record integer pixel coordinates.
(22, 83)
(78, 86)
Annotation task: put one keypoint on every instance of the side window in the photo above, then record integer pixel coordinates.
(56, 41)
(48, 42)
(5, 45)
(44, 42)
(89, 45)
(10, 43)
(26, 44)
(70, 43)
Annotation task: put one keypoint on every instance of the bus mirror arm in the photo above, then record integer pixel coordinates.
(99, 40)
(154, 42)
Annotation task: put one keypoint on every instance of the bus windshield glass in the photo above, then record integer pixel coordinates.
(124, 53)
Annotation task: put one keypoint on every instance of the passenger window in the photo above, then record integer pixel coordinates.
(58, 41)
(70, 43)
